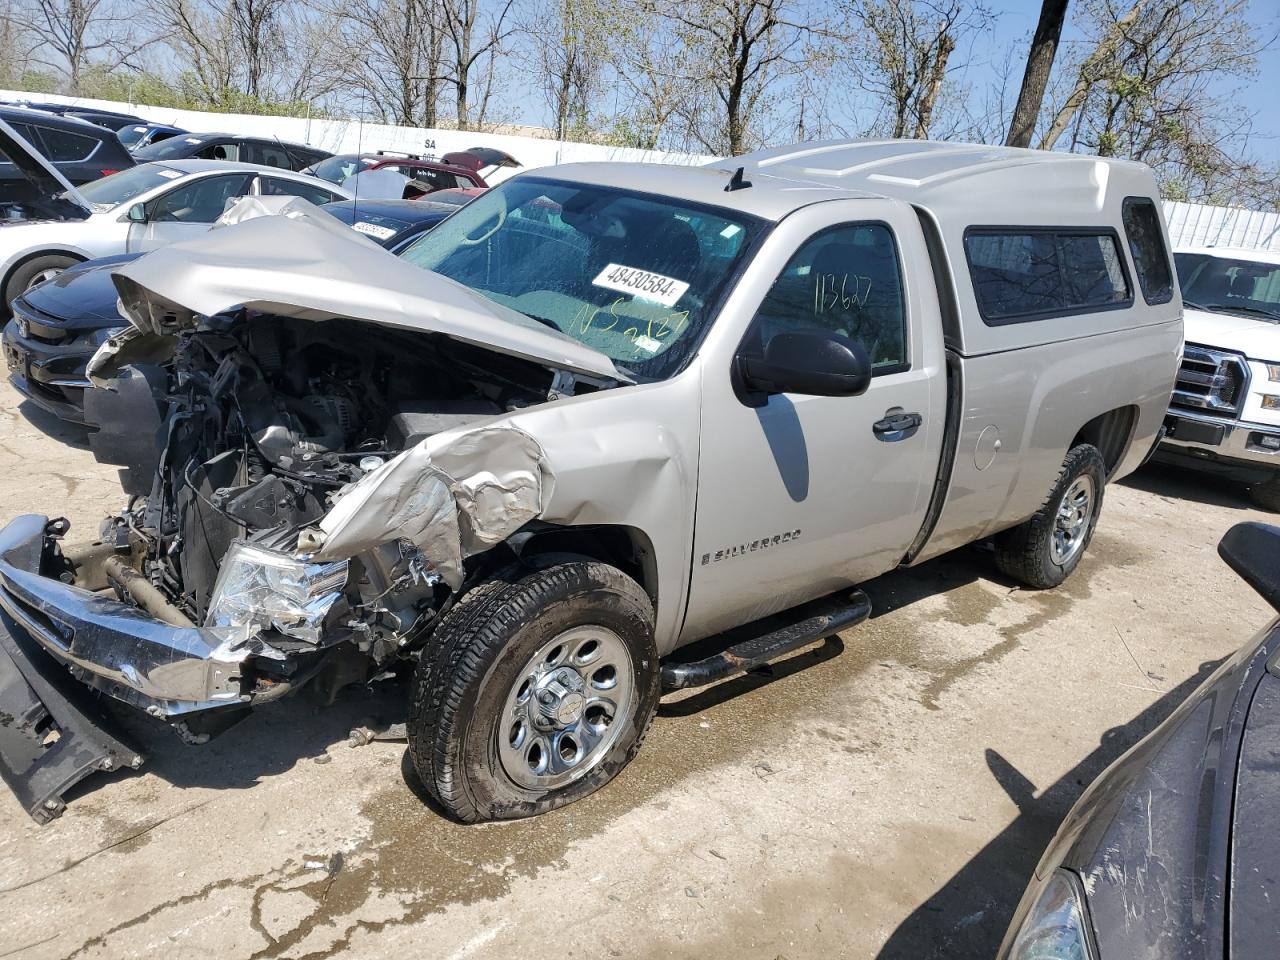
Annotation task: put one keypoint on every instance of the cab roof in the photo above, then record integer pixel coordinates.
(968, 181)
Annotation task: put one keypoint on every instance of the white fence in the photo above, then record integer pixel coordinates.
(1200, 225)
(350, 136)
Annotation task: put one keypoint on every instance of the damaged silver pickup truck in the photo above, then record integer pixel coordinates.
(600, 413)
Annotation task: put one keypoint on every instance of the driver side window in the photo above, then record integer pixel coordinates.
(845, 280)
(200, 202)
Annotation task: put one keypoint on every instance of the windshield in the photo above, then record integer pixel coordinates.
(126, 185)
(1247, 287)
(336, 169)
(632, 275)
(131, 135)
(175, 148)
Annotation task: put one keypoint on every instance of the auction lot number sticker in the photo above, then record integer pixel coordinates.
(642, 284)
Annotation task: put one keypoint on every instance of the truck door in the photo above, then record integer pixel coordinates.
(804, 495)
(186, 211)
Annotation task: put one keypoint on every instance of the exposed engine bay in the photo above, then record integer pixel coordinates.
(245, 438)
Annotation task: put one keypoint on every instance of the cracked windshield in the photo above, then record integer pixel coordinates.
(633, 276)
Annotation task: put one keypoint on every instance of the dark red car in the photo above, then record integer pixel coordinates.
(433, 173)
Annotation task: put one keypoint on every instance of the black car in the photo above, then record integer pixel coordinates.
(57, 326)
(110, 119)
(393, 223)
(135, 136)
(1173, 853)
(267, 151)
(81, 151)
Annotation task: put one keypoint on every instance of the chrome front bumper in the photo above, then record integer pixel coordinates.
(1221, 440)
(111, 646)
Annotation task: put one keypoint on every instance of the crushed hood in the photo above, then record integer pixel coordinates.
(1255, 337)
(298, 266)
(48, 183)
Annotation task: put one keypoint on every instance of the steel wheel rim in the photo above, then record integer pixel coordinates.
(43, 275)
(567, 708)
(1071, 523)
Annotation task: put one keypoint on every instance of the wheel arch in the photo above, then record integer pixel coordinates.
(625, 547)
(27, 256)
(1111, 433)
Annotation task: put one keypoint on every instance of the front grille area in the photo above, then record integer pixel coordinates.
(33, 325)
(1211, 381)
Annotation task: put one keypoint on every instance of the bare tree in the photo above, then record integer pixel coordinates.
(739, 52)
(1149, 86)
(471, 43)
(71, 35)
(404, 38)
(567, 44)
(903, 52)
(1044, 46)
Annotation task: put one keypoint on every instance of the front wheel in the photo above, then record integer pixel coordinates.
(35, 271)
(1042, 552)
(534, 693)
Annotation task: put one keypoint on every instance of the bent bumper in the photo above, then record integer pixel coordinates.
(111, 646)
(1217, 441)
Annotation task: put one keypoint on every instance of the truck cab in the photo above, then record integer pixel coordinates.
(1224, 417)
(600, 413)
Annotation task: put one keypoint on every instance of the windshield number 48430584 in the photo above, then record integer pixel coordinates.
(642, 284)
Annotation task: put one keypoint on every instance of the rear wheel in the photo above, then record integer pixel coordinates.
(1267, 495)
(1042, 551)
(34, 271)
(535, 693)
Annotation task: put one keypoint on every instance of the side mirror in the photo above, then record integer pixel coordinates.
(1252, 550)
(137, 213)
(811, 362)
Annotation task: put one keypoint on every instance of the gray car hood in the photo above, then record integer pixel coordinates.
(44, 176)
(292, 266)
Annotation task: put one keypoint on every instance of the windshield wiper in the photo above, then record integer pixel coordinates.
(545, 321)
(1239, 308)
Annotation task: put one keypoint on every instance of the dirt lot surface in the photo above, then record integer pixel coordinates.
(885, 799)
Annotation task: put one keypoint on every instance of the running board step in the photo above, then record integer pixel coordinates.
(806, 624)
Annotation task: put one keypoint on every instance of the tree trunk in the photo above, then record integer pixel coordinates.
(1044, 47)
(1106, 47)
(929, 97)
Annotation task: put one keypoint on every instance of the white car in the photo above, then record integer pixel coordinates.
(134, 211)
(1225, 412)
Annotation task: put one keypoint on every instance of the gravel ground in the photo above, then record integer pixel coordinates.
(884, 796)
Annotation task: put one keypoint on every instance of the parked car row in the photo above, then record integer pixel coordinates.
(57, 326)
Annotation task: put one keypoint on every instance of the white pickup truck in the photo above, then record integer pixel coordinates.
(600, 413)
(1225, 412)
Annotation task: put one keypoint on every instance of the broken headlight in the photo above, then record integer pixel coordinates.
(263, 589)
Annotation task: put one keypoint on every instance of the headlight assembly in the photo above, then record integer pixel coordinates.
(1057, 926)
(265, 589)
(1273, 372)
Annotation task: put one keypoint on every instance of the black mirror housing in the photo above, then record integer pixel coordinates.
(812, 362)
(1252, 550)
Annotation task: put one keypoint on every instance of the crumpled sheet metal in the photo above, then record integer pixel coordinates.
(453, 495)
(299, 266)
(244, 209)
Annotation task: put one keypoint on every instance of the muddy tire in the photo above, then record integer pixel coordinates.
(1042, 552)
(1267, 495)
(535, 692)
(34, 271)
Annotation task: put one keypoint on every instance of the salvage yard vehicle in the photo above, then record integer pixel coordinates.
(601, 412)
(58, 325)
(260, 151)
(80, 151)
(1225, 413)
(136, 210)
(1172, 852)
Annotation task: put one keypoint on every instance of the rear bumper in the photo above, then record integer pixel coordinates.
(1230, 445)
